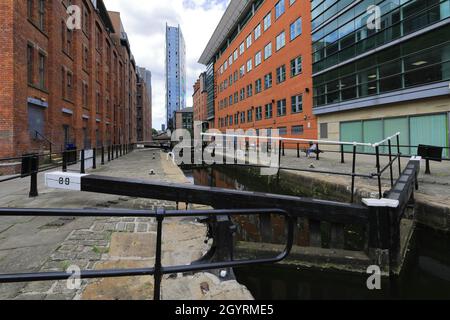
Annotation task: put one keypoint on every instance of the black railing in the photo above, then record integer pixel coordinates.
(158, 270)
(31, 165)
(315, 147)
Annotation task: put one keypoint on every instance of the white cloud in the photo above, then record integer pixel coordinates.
(145, 22)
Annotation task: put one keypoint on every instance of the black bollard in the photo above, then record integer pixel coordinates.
(82, 169)
(64, 163)
(34, 166)
(94, 158)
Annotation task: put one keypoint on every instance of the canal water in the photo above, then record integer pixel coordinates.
(426, 275)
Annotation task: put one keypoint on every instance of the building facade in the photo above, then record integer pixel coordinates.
(373, 81)
(184, 119)
(143, 112)
(200, 98)
(175, 73)
(146, 76)
(60, 86)
(262, 68)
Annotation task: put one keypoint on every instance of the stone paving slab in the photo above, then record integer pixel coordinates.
(55, 244)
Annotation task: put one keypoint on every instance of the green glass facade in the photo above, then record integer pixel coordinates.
(419, 61)
(342, 39)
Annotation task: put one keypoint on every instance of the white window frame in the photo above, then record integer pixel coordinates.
(268, 51)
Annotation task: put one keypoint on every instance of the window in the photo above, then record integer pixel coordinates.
(249, 65)
(249, 115)
(282, 131)
(258, 86)
(296, 28)
(268, 81)
(281, 40)
(98, 43)
(242, 95)
(297, 130)
(235, 55)
(236, 118)
(258, 59)
(30, 9)
(268, 51)
(230, 100)
(63, 35)
(267, 21)
(258, 32)
(258, 113)
(85, 57)
(281, 74)
(42, 70)
(241, 71)
(297, 103)
(269, 111)
(69, 93)
(249, 90)
(30, 64)
(230, 60)
(41, 21)
(296, 66)
(324, 131)
(249, 41)
(291, 2)
(236, 97)
(242, 117)
(281, 108)
(225, 65)
(279, 9)
(85, 92)
(241, 48)
(69, 42)
(63, 82)
(86, 20)
(98, 103)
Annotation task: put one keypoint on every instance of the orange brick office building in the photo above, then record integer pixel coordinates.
(200, 101)
(262, 74)
(61, 86)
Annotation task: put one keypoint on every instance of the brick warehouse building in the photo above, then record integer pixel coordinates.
(259, 72)
(60, 86)
(144, 112)
(200, 98)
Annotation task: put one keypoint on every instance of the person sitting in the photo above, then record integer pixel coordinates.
(312, 149)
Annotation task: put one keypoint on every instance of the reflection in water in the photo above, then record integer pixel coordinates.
(426, 275)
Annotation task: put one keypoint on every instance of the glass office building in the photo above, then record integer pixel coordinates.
(370, 78)
(175, 73)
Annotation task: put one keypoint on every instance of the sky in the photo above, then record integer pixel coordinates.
(145, 23)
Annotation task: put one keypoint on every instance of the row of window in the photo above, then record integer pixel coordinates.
(355, 38)
(268, 82)
(295, 31)
(295, 70)
(388, 70)
(266, 112)
(296, 130)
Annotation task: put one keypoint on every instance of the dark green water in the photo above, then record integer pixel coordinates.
(425, 276)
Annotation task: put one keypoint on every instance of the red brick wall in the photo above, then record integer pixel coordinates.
(16, 32)
(6, 79)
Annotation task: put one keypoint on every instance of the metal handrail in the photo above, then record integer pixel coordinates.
(158, 270)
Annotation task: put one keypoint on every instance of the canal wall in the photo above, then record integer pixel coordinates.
(432, 199)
